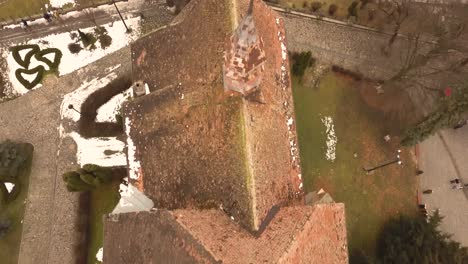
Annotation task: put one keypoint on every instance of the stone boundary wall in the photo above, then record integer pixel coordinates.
(351, 48)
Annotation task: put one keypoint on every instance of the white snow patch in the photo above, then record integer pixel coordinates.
(77, 97)
(100, 254)
(107, 112)
(134, 165)
(147, 89)
(9, 186)
(30, 77)
(331, 138)
(131, 199)
(72, 62)
(50, 56)
(60, 3)
(91, 150)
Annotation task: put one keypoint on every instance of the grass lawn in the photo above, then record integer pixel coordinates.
(10, 244)
(103, 201)
(369, 199)
(20, 8)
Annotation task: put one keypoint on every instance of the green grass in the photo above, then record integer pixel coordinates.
(24, 8)
(103, 201)
(10, 244)
(369, 199)
(21, 8)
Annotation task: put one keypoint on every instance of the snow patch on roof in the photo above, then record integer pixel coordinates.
(134, 165)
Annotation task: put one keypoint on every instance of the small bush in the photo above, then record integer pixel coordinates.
(74, 183)
(332, 9)
(352, 9)
(315, 6)
(301, 61)
(105, 41)
(87, 178)
(371, 14)
(12, 159)
(364, 3)
(74, 48)
(5, 227)
(305, 4)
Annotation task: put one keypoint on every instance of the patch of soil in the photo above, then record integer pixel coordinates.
(395, 105)
(87, 125)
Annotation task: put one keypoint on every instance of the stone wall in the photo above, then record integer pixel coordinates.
(354, 49)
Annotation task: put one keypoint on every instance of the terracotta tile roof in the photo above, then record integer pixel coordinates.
(295, 235)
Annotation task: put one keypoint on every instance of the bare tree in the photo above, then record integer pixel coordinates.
(396, 11)
(435, 50)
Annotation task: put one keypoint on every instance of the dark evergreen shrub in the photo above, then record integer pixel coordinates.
(53, 65)
(87, 178)
(301, 61)
(352, 9)
(315, 6)
(105, 41)
(74, 48)
(332, 9)
(24, 62)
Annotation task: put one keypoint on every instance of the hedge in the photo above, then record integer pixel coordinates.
(27, 59)
(29, 85)
(53, 66)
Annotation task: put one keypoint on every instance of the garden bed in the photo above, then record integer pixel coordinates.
(14, 211)
(370, 200)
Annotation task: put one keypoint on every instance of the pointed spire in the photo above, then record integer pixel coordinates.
(250, 10)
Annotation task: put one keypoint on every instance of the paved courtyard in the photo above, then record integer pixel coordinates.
(443, 157)
(49, 226)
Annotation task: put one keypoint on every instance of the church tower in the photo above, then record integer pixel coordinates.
(244, 57)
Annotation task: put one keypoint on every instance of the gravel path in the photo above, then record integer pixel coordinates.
(444, 157)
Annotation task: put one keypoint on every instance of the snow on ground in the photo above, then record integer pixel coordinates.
(60, 3)
(77, 97)
(30, 77)
(134, 165)
(9, 186)
(72, 62)
(107, 112)
(92, 150)
(100, 254)
(331, 138)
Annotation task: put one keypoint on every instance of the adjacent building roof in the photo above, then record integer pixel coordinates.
(296, 235)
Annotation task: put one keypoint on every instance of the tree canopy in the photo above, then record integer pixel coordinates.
(415, 240)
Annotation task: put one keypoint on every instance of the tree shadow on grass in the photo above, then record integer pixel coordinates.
(87, 125)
